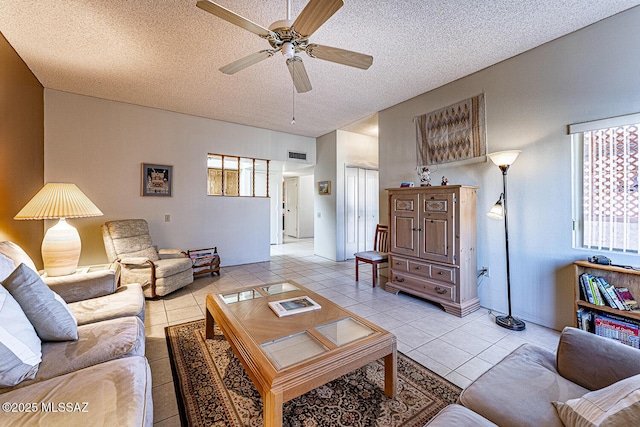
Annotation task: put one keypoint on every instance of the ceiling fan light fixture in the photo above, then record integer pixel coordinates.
(288, 51)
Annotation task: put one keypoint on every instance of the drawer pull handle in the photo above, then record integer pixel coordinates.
(440, 290)
(399, 279)
(440, 273)
(417, 268)
(417, 229)
(398, 263)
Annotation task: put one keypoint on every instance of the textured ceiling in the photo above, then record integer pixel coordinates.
(166, 53)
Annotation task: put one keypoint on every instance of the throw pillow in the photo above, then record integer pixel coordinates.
(20, 347)
(48, 313)
(6, 266)
(615, 405)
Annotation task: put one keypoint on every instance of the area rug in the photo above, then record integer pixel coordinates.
(213, 389)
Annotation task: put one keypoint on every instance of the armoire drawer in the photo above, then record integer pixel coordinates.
(446, 274)
(419, 268)
(398, 264)
(427, 287)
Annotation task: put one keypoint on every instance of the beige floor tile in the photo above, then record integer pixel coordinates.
(164, 402)
(160, 371)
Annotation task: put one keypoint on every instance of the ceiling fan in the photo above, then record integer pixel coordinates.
(290, 38)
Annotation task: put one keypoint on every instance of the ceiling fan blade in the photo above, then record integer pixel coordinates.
(247, 61)
(314, 14)
(232, 17)
(340, 56)
(299, 74)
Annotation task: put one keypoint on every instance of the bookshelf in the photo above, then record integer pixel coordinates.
(617, 276)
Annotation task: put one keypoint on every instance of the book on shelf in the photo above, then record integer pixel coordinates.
(585, 286)
(627, 298)
(620, 329)
(584, 317)
(609, 293)
(287, 307)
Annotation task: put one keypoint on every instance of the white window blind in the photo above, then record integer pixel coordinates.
(609, 181)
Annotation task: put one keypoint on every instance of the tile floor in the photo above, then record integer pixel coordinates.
(459, 349)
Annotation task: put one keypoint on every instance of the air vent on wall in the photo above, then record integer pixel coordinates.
(297, 156)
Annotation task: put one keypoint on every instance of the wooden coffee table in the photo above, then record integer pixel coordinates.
(286, 357)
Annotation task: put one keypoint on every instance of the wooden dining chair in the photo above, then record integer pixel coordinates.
(378, 255)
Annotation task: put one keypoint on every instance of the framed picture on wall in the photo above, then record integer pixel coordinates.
(324, 188)
(157, 180)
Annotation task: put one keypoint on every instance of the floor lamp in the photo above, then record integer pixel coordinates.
(504, 159)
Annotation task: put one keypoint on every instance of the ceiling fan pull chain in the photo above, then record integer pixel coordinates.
(293, 120)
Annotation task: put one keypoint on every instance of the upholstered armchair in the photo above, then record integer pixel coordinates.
(160, 272)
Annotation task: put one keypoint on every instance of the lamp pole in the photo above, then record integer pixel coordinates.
(508, 321)
(503, 160)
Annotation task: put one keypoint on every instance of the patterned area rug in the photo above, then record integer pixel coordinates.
(216, 391)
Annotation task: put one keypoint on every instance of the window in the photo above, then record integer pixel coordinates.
(606, 199)
(237, 176)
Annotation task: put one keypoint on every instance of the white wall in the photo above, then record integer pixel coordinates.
(324, 242)
(530, 100)
(306, 190)
(335, 151)
(100, 145)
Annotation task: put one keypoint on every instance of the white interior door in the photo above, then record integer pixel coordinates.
(351, 212)
(291, 207)
(361, 209)
(372, 207)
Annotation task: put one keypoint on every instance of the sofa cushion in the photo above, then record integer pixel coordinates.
(6, 266)
(128, 300)
(577, 349)
(97, 343)
(114, 393)
(518, 391)
(17, 255)
(615, 405)
(20, 347)
(457, 415)
(47, 312)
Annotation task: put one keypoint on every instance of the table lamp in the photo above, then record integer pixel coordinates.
(61, 245)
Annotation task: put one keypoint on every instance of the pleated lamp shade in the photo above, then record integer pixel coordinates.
(61, 245)
(59, 200)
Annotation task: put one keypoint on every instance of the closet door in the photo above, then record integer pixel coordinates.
(351, 226)
(371, 207)
(361, 209)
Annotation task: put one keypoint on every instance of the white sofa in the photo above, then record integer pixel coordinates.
(101, 378)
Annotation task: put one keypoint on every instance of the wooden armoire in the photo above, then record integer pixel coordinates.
(432, 245)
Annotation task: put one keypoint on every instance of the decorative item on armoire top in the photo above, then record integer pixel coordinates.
(445, 180)
(424, 173)
(452, 134)
(157, 180)
(503, 160)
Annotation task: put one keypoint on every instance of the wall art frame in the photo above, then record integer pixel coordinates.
(324, 188)
(156, 180)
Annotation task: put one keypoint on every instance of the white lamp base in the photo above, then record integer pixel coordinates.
(61, 249)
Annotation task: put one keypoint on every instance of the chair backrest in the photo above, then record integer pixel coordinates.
(128, 238)
(381, 239)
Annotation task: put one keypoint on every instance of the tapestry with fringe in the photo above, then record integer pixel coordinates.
(452, 134)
